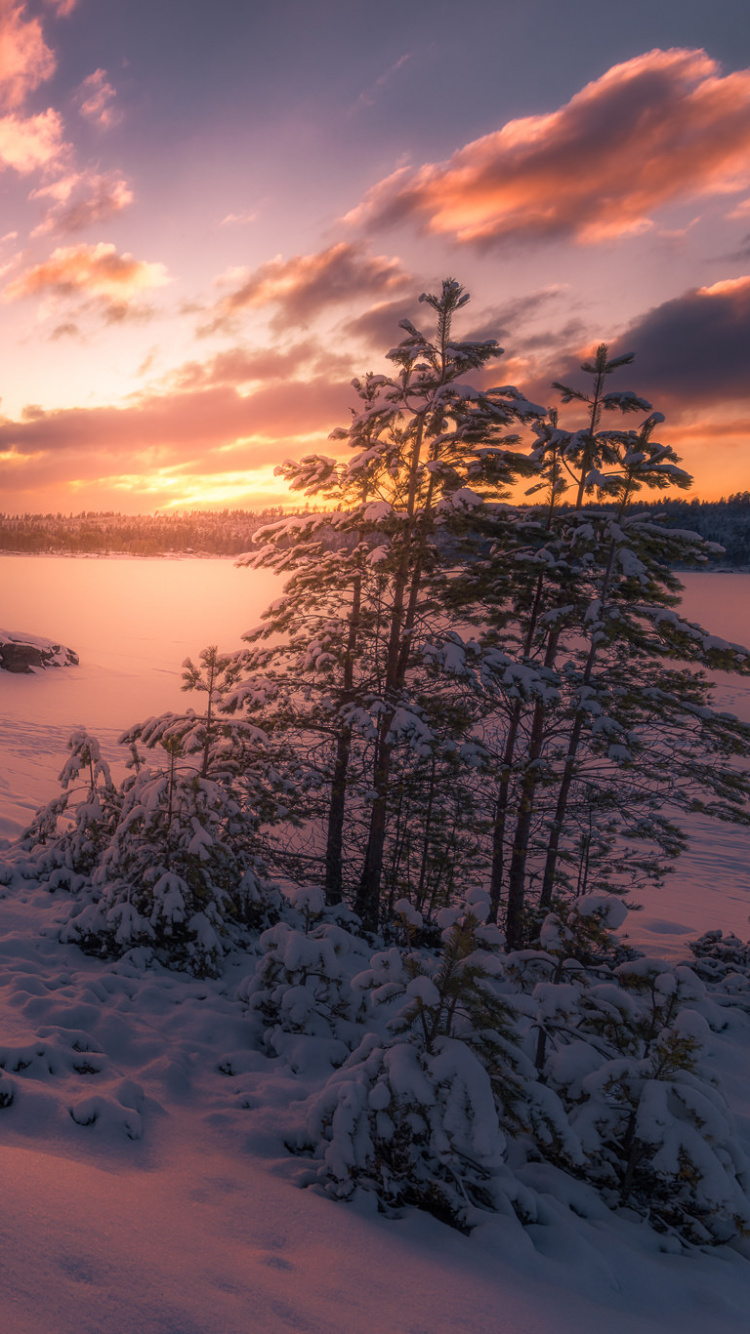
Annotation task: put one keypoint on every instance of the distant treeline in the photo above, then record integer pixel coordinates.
(229, 532)
(198, 532)
(724, 521)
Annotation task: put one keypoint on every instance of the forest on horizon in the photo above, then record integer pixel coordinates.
(230, 532)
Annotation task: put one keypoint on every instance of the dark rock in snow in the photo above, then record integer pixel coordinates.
(30, 653)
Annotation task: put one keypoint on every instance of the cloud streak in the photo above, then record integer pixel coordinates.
(301, 287)
(242, 366)
(659, 128)
(62, 8)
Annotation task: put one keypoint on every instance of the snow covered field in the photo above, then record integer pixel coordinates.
(144, 1179)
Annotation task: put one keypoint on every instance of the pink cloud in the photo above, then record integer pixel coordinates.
(93, 270)
(28, 143)
(82, 199)
(304, 285)
(25, 60)
(661, 127)
(94, 99)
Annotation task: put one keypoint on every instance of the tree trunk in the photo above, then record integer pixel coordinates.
(403, 614)
(334, 885)
(503, 796)
(553, 845)
(367, 903)
(519, 855)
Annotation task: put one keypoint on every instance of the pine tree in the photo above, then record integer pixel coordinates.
(420, 436)
(584, 737)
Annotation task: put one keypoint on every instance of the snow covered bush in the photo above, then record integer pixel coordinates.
(66, 838)
(551, 978)
(168, 858)
(177, 871)
(414, 1113)
(414, 1126)
(301, 987)
(657, 1134)
(723, 961)
(621, 1045)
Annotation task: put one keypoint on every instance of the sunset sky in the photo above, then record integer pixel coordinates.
(216, 211)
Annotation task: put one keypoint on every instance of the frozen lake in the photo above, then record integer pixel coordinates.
(134, 621)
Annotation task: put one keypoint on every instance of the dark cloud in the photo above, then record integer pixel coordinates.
(692, 350)
(378, 327)
(696, 348)
(573, 332)
(505, 320)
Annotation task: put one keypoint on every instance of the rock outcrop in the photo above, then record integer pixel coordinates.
(30, 653)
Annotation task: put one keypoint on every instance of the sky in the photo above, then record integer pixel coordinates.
(215, 213)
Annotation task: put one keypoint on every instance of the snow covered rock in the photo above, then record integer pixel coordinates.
(29, 653)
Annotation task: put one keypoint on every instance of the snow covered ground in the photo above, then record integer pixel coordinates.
(146, 1188)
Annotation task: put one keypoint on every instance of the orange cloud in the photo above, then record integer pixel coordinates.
(91, 270)
(82, 199)
(663, 126)
(62, 8)
(25, 60)
(94, 99)
(168, 446)
(28, 143)
(304, 285)
(187, 421)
